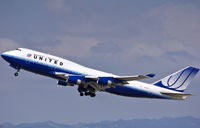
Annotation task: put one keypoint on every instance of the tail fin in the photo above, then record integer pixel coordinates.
(179, 80)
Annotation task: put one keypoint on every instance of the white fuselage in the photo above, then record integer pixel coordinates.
(46, 64)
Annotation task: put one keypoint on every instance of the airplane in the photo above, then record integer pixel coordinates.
(89, 81)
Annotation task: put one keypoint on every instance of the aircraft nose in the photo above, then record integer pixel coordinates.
(5, 55)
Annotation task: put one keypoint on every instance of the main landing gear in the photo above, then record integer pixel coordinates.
(86, 92)
(91, 94)
(17, 72)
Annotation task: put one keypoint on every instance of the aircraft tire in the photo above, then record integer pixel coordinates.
(16, 74)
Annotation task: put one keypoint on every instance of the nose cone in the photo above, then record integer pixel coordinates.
(6, 55)
(3, 55)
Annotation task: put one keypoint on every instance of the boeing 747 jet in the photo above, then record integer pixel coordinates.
(89, 81)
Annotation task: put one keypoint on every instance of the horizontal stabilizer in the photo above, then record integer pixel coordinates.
(178, 96)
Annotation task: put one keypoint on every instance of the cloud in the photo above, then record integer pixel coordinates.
(106, 47)
(182, 22)
(71, 46)
(167, 28)
(8, 44)
(180, 25)
(56, 6)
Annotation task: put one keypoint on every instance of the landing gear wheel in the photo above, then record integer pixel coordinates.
(87, 93)
(16, 74)
(81, 94)
(92, 95)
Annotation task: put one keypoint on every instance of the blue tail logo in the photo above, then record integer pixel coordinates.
(178, 81)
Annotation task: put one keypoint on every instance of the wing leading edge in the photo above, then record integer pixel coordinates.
(102, 80)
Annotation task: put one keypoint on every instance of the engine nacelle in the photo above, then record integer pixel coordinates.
(63, 83)
(76, 79)
(106, 81)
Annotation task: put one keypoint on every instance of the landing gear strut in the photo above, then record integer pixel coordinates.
(17, 73)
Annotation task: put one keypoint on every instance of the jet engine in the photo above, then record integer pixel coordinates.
(106, 81)
(75, 79)
(63, 83)
(72, 80)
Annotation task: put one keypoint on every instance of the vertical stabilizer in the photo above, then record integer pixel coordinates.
(179, 80)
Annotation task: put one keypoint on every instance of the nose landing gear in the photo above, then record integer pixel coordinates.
(17, 73)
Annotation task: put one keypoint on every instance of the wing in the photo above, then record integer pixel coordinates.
(120, 79)
(137, 77)
(93, 83)
(101, 80)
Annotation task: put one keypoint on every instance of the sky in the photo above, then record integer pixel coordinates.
(124, 37)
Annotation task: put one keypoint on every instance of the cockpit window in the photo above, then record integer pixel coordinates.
(19, 49)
